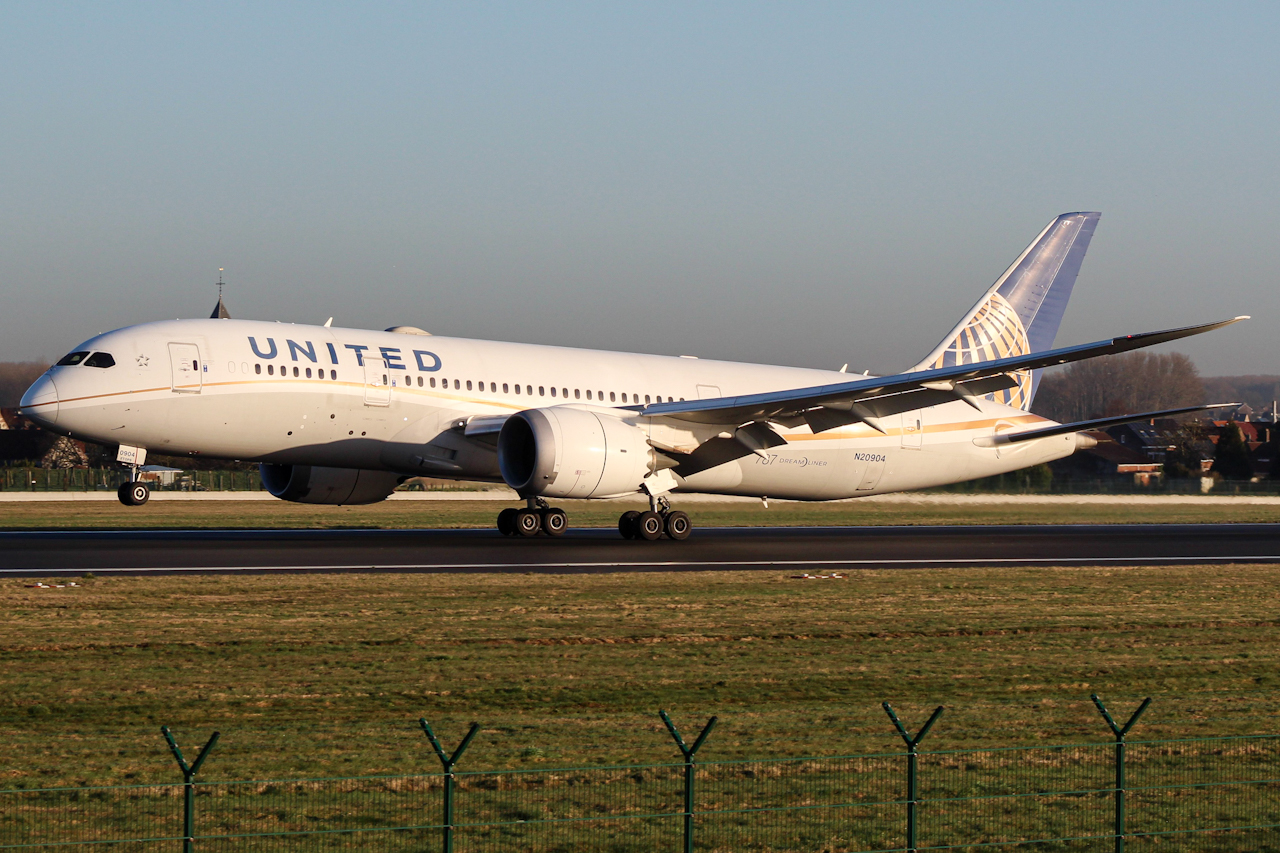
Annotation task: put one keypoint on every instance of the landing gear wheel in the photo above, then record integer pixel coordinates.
(507, 521)
(134, 494)
(648, 526)
(627, 524)
(554, 521)
(528, 522)
(677, 525)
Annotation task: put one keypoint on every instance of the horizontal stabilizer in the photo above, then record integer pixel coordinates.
(1100, 423)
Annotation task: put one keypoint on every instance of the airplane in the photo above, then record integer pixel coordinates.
(343, 416)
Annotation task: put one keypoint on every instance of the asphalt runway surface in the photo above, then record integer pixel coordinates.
(798, 549)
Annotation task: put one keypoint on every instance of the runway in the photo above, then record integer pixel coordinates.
(801, 549)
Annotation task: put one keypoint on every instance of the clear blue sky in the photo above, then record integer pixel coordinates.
(804, 184)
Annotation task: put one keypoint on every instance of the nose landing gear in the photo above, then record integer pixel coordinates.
(660, 519)
(135, 492)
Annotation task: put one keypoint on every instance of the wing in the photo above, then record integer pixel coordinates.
(826, 407)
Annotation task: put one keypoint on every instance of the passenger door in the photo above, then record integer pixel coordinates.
(187, 374)
(912, 429)
(377, 382)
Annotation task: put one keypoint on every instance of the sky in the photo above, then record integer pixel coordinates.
(803, 184)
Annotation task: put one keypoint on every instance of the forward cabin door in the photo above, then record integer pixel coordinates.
(187, 374)
(377, 382)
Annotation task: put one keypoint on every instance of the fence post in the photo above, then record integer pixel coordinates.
(690, 755)
(913, 790)
(1120, 732)
(448, 761)
(189, 772)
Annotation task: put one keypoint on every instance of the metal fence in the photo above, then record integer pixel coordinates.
(109, 479)
(1203, 794)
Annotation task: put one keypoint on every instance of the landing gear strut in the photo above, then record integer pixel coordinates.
(537, 517)
(135, 492)
(659, 519)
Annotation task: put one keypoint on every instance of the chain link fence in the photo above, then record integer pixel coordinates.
(1204, 793)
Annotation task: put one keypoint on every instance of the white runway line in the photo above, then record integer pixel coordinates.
(1048, 561)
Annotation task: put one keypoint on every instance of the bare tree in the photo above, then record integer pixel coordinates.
(1119, 385)
(15, 378)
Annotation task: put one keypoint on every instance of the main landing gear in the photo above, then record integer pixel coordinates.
(539, 517)
(536, 518)
(660, 519)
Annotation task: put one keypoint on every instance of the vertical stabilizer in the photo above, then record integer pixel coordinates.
(1021, 312)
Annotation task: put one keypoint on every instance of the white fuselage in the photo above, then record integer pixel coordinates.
(346, 398)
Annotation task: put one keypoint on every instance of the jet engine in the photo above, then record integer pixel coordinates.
(561, 452)
(312, 485)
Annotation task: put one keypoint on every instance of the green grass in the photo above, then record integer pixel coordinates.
(462, 514)
(325, 676)
(322, 675)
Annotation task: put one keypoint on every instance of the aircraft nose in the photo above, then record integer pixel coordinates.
(40, 403)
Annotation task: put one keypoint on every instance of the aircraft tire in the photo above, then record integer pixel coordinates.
(677, 525)
(528, 522)
(139, 493)
(554, 522)
(627, 524)
(123, 494)
(648, 526)
(507, 521)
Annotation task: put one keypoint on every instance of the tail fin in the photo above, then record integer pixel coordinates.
(1021, 312)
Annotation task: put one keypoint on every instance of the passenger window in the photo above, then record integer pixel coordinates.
(72, 358)
(646, 398)
(505, 388)
(295, 372)
(542, 392)
(468, 384)
(419, 381)
(613, 397)
(493, 387)
(517, 389)
(308, 372)
(333, 374)
(577, 395)
(433, 382)
(271, 370)
(564, 392)
(257, 368)
(553, 391)
(624, 396)
(457, 385)
(588, 393)
(528, 389)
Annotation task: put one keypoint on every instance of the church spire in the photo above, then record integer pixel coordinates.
(220, 311)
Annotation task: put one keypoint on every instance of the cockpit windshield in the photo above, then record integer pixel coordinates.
(100, 359)
(72, 358)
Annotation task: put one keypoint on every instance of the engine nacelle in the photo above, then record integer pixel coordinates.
(311, 485)
(571, 453)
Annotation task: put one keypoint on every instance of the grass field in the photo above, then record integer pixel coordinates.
(419, 514)
(325, 675)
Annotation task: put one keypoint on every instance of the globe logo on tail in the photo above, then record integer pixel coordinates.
(994, 331)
